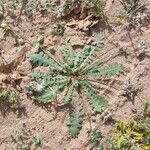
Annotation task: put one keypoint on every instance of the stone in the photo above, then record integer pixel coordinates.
(134, 110)
(71, 24)
(86, 24)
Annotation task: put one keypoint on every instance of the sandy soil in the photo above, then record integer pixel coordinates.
(49, 123)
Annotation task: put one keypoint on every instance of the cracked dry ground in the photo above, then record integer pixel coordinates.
(50, 123)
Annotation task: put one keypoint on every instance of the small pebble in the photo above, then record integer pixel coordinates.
(134, 110)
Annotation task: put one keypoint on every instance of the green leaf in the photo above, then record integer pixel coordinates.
(68, 54)
(37, 140)
(12, 5)
(98, 40)
(3, 95)
(105, 71)
(14, 100)
(40, 76)
(75, 123)
(92, 68)
(97, 102)
(112, 69)
(88, 87)
(49, 79)
(44, 60)
(95, 136)
(147, 106)
(88, 52)
(69, 94)
(50, 93)
(83, 58)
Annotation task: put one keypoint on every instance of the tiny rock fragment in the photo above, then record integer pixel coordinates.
(87, 23)
(134, 110)
(95, 23)
(71, 24)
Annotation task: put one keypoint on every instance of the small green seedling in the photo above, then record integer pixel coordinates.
(4, 29)
(11, 97)
(32, 6)
(3, 95)
(57, 30)
(92, 7)
(133, 11)
(12, 5)
(14, 100)
(96, 6)
(37, 141)
(147, 106)
(22, 138)
(95, 137)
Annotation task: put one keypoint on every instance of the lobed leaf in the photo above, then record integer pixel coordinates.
(75, 123)
(97, 102)
(50, 93)
(44, 60)
(3, 95)
(68, 54)
(107, 71)
(40, 76)
(69, 94)
(93, 68)
(88, 52)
